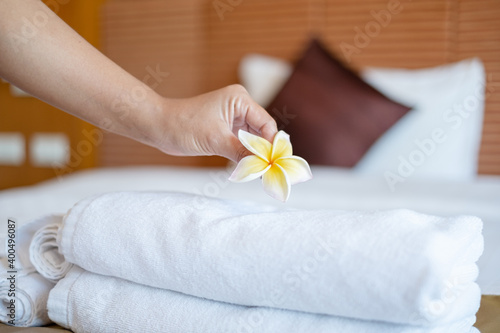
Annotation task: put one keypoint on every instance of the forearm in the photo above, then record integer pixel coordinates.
(55, 64)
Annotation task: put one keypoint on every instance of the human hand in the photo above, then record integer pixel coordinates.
(208, 124)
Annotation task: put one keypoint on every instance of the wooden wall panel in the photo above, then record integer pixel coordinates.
(377, 33)
(277, 28)
(478, 34)
(202, 48)
(27, 115)
(143, 36)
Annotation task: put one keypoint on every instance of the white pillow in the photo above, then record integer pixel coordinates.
(263, 76)
(440, 137)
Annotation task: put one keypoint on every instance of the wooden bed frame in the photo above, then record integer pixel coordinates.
(200, 43)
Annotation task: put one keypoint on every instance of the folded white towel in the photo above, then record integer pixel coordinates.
(88, 302)
(396, 266)
(29, 294)
(44, 252)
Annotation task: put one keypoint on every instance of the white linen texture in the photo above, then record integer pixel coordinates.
(211, 265)
(332, 188)
(440, 138)
(88, 302)
(396, 266)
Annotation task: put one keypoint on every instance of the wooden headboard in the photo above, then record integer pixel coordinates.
(200, 42)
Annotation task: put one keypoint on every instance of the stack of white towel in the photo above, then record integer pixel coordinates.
(22, 283)
(157, 262)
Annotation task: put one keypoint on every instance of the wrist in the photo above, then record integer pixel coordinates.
(153, 120)
(137, 114)
(162, 126)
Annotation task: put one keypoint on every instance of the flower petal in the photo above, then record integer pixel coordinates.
(257, 145)
(281, 146)
(249, 168)
(276, 183)
(296, 168)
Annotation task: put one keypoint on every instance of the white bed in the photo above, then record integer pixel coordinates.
(331, 188)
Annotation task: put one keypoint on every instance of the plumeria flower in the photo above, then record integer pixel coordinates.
(274, 162)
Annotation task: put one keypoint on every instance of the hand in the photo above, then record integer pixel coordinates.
(208, 124)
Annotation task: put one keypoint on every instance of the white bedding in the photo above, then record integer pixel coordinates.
(330, 188)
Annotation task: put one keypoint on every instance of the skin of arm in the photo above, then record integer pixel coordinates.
(58, 66)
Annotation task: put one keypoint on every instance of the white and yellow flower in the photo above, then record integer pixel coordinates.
(274, 162)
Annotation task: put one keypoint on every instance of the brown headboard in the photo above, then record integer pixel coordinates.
(200, 42)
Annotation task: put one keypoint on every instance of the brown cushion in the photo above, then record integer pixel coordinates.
(332, 116)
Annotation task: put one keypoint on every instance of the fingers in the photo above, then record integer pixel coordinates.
(215, 130)
(233, 149)
(269, 130)
(256, 121)
(259, 121)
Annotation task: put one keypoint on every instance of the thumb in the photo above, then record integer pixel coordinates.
(233, 149)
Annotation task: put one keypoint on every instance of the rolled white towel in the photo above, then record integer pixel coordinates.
(91, 303)
(44, 252)
(396, 266)
(24, 300)
(19, 248)
(19, 280)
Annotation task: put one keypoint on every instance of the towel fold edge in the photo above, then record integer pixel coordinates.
(57, 304)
